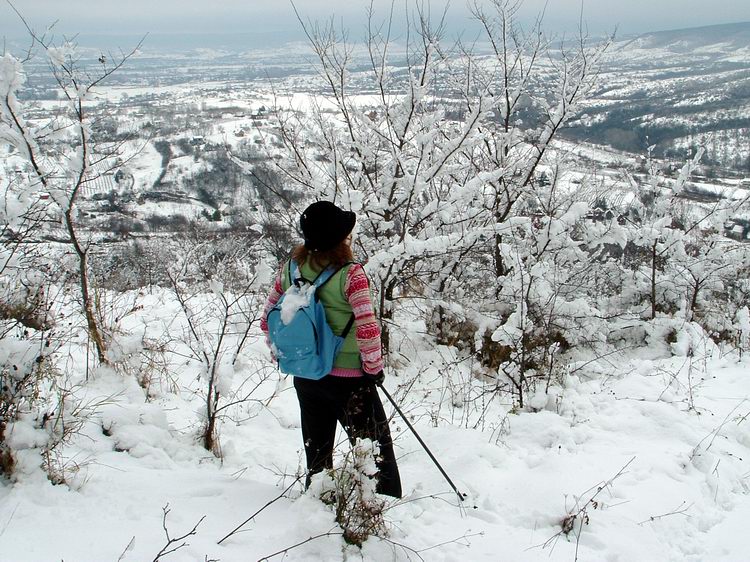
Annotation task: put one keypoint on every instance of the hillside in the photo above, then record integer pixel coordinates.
(726, 37)
(677, 90)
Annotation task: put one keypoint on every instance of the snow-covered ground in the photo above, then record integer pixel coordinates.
(650, 449)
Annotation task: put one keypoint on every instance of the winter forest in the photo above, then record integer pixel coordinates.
(556, 231)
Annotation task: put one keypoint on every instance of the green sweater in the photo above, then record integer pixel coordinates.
(338, 311)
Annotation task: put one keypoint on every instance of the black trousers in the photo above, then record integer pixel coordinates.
(353, 402)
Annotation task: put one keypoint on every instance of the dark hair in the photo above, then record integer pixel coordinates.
(336, 257)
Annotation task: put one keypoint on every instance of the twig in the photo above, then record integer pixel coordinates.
(568, 522)
(714, 433)
(128, 548)
(10, 518)
(171, 541)
(465, 537)
(307, 540)
(462, 540)
(269, 503)
(406, 548)
(675, 511)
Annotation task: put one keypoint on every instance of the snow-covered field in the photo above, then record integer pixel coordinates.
(648, 449)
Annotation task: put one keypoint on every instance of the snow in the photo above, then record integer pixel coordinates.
(640, 454)
(651, 448)
(295, 298)
(12, 76)
(146, 167)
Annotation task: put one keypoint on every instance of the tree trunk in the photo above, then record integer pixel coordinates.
(386, 315)
(653, 281)
(694, 299)
(500, 270)
(92, 324)
(212, 400)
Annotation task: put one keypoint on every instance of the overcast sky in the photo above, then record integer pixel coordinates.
(237, 16)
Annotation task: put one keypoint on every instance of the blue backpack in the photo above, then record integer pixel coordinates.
(304, 344)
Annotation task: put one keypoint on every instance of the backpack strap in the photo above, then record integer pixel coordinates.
(348, 326)
(295, 275)
(324, 277)
(330, 273)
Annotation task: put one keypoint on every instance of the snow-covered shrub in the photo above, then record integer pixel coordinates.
(676, 250)
(137, 264)
(144, 357)
(40, 410)
(61, 425)
(25, 382)
(546, 303)
(218, 285)
(349, 488)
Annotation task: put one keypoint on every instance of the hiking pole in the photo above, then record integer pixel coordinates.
(461, 496)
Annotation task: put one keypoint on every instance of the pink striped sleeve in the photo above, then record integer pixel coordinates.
(357, 292)
(273, 297)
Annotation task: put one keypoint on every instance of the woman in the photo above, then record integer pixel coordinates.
(348, 394)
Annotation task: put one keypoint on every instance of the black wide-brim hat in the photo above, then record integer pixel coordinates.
(325, 226)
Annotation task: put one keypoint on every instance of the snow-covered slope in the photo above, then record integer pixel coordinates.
(645, 454)
(726, 37)
(676, 90)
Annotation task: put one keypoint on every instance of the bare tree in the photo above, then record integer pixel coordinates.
(60, 152)
(218, 285)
